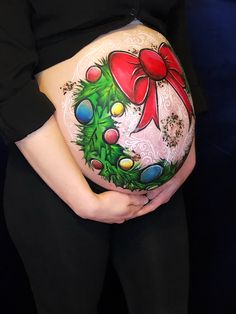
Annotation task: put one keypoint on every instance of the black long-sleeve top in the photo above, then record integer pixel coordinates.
(36, 34)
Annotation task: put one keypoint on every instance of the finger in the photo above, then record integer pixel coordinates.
(138, 200)
(120, 221)
(133, 209)
(153, 204)
(152, 194)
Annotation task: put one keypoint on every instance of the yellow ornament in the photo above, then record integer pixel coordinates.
(126, 163)
(117, 109)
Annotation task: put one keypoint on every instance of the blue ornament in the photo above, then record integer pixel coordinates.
(84, 111)
(151, 173)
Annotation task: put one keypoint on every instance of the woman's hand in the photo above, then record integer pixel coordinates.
(116, 207)
(164, 193)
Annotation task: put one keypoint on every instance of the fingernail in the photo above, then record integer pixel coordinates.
(147, 201)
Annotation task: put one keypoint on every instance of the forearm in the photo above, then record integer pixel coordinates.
(47, 152)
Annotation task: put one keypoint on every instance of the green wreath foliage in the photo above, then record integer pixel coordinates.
(103, 94)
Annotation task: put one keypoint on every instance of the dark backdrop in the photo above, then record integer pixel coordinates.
(209, 192)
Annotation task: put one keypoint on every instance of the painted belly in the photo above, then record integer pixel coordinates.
(128, 113)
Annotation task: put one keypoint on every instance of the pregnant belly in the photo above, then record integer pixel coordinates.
(124, 108)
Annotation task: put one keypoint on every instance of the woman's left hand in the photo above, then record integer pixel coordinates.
(164, 193)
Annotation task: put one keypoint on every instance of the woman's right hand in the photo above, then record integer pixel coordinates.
(115, 207)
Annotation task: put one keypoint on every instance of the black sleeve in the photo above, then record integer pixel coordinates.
(178, 37)
(23, 108)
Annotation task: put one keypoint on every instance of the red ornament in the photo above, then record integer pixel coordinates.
(93, 74)
(96, 164)
(111, 136)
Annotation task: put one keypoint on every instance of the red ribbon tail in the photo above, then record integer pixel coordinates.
(150, 111)
(182, 94)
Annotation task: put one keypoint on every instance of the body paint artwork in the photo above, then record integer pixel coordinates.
(135, 117)
(137, 77)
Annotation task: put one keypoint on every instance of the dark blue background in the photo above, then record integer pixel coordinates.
(209, 192)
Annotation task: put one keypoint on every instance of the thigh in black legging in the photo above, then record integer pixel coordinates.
(150, 255)
(64, 255)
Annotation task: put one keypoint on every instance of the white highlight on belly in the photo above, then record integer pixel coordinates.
(149, 143)
(127, 38)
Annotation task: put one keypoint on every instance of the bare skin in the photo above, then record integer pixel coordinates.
(60, 163)
(150, 144)
(64, 177)
(47, 152)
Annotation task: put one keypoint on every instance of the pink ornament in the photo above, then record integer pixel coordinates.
(96, 164)
(93, 74)
(111, 136)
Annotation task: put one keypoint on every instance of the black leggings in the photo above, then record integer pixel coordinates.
(65, 256)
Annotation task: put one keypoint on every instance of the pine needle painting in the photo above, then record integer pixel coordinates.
(135, 117)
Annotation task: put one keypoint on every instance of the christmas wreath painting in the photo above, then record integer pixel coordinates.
(121, 83)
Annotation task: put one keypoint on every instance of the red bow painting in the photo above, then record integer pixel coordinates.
(137, 76)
